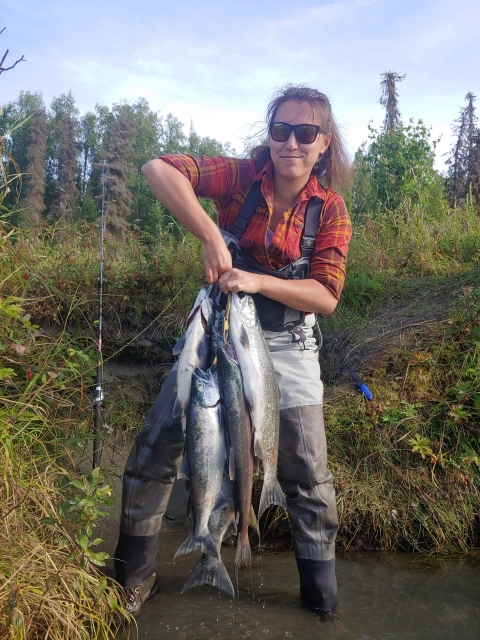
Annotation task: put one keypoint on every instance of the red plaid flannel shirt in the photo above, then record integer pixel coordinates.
(227, 181)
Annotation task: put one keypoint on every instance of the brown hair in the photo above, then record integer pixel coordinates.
(333, 168)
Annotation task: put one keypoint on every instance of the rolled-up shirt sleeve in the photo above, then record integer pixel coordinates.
(214, 177)
(329, 260)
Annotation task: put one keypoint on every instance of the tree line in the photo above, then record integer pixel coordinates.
(62, 154)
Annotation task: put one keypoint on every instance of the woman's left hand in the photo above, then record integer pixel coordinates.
(238, 280)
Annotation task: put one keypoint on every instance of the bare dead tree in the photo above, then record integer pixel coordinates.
(389, 100)
(463, 158)
(2, 68)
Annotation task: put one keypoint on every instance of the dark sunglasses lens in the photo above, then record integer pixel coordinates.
(306, 133)
(280, 132)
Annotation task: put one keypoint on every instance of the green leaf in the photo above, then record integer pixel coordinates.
(82, 540)
(112, 602)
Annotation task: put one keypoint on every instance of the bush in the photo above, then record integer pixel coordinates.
(396, 169)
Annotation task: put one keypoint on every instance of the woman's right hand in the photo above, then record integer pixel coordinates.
(217, 259)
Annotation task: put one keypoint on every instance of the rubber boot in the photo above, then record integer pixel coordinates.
(318, 586)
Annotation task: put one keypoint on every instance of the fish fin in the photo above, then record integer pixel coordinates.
(177, 409)
(257, 449)
(269, 497)
(231, 465)
(253, 522)
(211, 572)
(220, 503)
(244, 341)
(184, 471)
(177, 349)
(256, 466)
(202, 541)
(243, 554)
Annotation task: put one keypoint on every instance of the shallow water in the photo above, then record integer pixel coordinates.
(381, 596)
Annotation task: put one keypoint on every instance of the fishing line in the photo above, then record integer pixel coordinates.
(99, 396)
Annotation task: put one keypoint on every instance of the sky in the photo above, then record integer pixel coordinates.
(217, 62)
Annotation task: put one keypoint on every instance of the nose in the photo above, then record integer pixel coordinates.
(291, 143)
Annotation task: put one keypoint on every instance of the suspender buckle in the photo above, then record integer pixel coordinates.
(308, 243)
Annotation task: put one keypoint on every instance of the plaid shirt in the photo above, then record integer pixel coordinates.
(227, 181)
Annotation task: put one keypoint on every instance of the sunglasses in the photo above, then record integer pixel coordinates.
(304, 133)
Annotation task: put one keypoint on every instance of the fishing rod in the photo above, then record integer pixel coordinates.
(99, 397)
(359, 383)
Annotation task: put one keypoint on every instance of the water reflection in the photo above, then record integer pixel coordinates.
(381, 596)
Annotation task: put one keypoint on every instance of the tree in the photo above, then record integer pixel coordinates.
(61, 156)
(15, 113)
(66, 188)
(89, 143)
(397, 167)
(463, 156)
(475, 170)
(35, 179)
(389, 100)
(117, 150)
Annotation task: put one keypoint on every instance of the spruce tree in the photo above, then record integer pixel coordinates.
(35, 169)
(118, 153)
(389, 100)
(462, 160)
(66, 192)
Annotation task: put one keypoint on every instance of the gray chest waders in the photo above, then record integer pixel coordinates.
(274, 316)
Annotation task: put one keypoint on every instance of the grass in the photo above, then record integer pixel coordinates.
(407, 465)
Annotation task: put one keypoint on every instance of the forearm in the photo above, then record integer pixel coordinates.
(175, 192)
(304, 295)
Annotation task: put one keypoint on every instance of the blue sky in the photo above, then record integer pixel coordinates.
(217, 63)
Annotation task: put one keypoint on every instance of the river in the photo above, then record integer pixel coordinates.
(381, 596)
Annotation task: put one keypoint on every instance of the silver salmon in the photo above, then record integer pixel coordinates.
(240, 458)
(221, 524)
(204, 460)
(261, 391)
(193, 348)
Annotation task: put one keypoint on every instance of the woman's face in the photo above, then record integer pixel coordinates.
(294, 161)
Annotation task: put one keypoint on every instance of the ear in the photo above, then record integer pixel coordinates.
(327, 138)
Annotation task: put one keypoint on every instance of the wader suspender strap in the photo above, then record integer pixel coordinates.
(312, 218)
(310, 226)
(246, 210)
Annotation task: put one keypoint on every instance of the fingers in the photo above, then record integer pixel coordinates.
(217, 260)
(236, 280)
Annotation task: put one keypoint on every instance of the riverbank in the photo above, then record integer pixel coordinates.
(406, 464)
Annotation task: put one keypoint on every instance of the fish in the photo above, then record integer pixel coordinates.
(204, 461)
(240, 457)
(221, 524)
(193, 351)
(261, 392)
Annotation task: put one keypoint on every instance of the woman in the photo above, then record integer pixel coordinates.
(304, 146)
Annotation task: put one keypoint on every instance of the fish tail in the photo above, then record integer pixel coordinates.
(208, 571)
(253, 522)
(243, 554)
(271, 495)
(201, 541)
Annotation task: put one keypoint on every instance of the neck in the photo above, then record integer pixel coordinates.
(287, 190)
